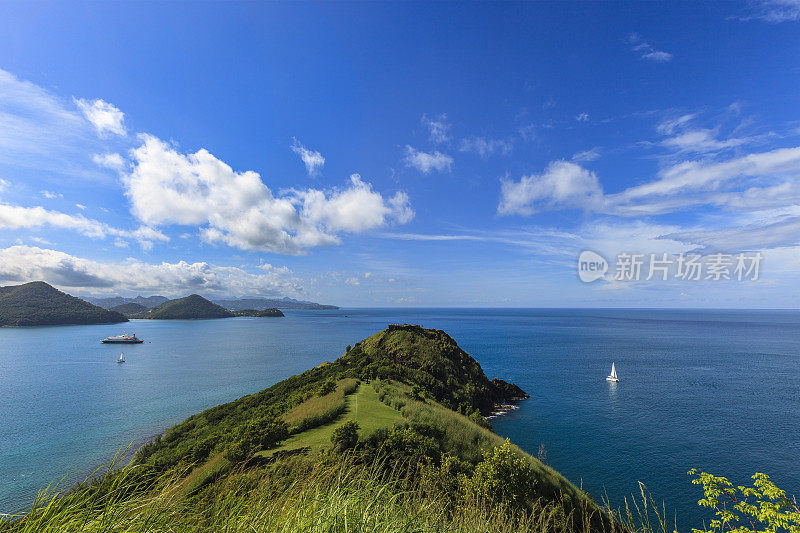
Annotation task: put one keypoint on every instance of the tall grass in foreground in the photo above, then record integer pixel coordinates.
(328, 495)
(340, 494)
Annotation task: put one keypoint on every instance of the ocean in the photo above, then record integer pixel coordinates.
(717, 390)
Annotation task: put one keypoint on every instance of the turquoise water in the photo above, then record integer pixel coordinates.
(718, 390)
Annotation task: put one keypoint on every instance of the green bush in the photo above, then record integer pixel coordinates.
(345, 436)
(328, 386)
(763, 507)
(502, 478)
(203, 449)
(238, 451)
(256, 435)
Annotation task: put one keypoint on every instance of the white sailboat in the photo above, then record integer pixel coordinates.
(121, 359)
(613, 375)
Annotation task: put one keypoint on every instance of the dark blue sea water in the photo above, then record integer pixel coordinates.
(717, 390)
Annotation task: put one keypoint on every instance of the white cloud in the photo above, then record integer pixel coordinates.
(16, 217)
(113, 161)
(438, 128)
(353, 282)
(647, 51)
(50, 195)
(746, 183)
(561, 185)
(587, 155)
(702, 141)
(238, 209)
(582, 117)
(355, 209)
(105, 117)
(427, 162)
(775, 11)
(682, 138)
(41, 132)
(783, 233)
(670, 126)
(710, 175)
(486, 147)
(312, 159)
(26, 263)
(81, 207)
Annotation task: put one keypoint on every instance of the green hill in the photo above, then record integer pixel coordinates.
(388, 437)
(271, 312)
(129, 309)
(40, 304)
(190, 307)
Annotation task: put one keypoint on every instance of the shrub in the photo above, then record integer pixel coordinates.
(403, 443)
(764, 507)
(238, 450)
(479, 419)
(202, 450)
(502, 478)
(417, 393)
(253, 436)
(345, 436)
(328, 386)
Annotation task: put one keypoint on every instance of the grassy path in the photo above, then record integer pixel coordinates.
(363, 406)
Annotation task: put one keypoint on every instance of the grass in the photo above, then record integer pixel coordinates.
(324, 492)
(468, 439)
(331, 494)
(317, 405)
(371, 415)
(202, 475)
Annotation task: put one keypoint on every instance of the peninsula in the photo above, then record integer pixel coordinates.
(391, 435)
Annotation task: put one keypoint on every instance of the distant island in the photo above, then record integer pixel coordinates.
(272, 311)
(277, 303)
(39, 304)
(235, 304)
(189, 307)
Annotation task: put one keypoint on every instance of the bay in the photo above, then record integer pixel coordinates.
(712, 389)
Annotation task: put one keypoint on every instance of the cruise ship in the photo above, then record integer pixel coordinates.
(122, 339)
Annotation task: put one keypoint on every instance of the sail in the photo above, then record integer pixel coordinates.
(613, 371)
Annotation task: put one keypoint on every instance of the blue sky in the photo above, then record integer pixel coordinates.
(415, 154)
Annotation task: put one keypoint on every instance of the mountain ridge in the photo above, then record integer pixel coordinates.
(39, 304)
(189, 307)
(232, 304)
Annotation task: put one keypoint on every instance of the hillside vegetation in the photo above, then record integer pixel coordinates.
(189, 307)
(40, 304)
(388, 437)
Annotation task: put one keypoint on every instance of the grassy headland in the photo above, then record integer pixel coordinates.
(391, 436)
